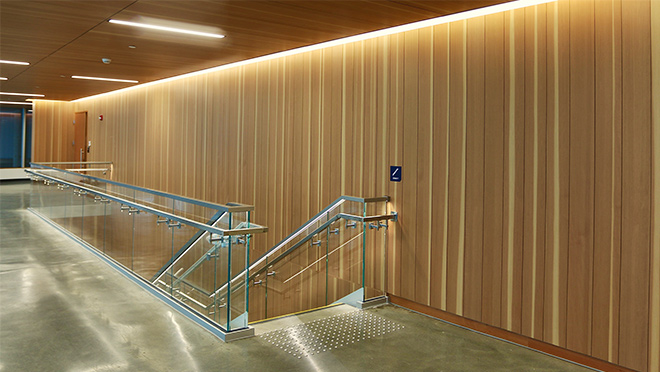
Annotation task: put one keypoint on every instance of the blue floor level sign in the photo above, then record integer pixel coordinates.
(395, 173)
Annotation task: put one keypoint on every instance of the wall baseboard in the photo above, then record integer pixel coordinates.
(515, 338)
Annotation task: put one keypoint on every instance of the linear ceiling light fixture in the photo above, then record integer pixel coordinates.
(14, 62)
(104, 79)
(165, 28)
(493, 9)
(15, 103)
(3, 78)
(21, 94)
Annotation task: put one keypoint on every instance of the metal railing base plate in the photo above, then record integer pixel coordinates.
(372, 302)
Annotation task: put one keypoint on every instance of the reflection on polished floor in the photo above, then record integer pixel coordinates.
(62, 309)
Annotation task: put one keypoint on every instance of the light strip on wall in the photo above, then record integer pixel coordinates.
(21, 94)
(14, 62)
(103, 79)
(512, 5)
(15, 103)
(164, 28)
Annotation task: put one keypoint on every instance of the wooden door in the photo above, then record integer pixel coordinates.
(80, 137)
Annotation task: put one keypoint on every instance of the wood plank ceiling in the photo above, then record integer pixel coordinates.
(64, 38)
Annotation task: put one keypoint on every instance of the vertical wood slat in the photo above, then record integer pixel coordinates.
(440, 174)
(550, 316)
(541, 160)
(555, 81)
(513, 176)
(396, 151)
(535, 172)
(409, 164)
(654, 321)
(636, 185)
(456, 211)
(493, 170)
(582, 124)
(562, 184)
(530, 171)
(474, 181)
(424, 177)
(607, 214)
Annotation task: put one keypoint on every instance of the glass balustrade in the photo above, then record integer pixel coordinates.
(198, 253)
(185, 248)
(337, 256)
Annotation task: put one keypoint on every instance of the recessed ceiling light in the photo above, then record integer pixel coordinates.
(103, 79)
(15, 103)
(132, 46)
(164, 28)
(14, 62)
(3, 78)
(21, 94)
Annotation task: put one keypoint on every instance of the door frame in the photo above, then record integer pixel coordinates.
(80, 155)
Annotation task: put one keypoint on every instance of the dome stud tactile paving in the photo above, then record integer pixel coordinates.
(326, 334)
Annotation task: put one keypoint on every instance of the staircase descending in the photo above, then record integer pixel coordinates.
(195, 255)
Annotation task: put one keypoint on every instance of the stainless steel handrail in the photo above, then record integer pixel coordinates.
(229, 207)
(167, 215)
(393, 216)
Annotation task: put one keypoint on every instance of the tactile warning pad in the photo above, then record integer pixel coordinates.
(330, 333)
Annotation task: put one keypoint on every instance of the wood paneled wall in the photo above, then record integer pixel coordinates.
(530, 149)
(53, 131)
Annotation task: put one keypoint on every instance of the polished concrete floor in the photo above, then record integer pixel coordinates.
(62, 309)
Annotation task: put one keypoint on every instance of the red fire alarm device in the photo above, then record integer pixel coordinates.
(101, 117)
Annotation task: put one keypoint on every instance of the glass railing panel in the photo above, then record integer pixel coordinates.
(152, 200)
(196, 274)
(258, 297)
(93, 226)
(52, 198)
(37, 190)
(301, 234)
(224, 222)
(42, 197)
(297, 282)
(120, 191)
(237, 259)
(237, 298)
(375, 270)
(96, 173)
(375, 251)
(188, 245)
(352, 207)
(76, 212)
(220, 298)
(183, 236)
(344, 259)
(152, 245)
(118, 234)
(193, 211)
(61, 207)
